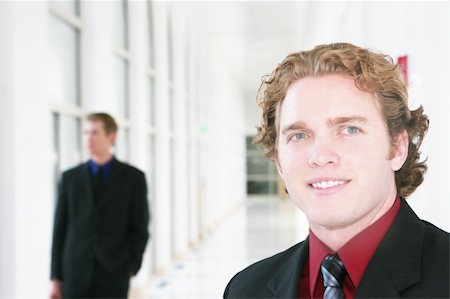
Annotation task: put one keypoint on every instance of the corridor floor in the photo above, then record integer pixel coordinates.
(260, 228)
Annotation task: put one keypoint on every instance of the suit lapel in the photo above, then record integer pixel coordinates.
(286, 281)
(110, 186)
(396, 264)
(86, 184)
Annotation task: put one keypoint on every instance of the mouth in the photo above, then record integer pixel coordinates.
(324, 184)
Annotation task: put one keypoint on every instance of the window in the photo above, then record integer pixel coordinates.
(71, 6)
(150, 100)
(262, 177)
(64, 73)
(122, 150)
(64, 83)
(122, 78)
(121, 68)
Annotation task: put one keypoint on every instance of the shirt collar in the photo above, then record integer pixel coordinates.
(106, 167)
(356, 253)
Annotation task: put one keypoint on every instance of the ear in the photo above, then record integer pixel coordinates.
(399, 152)
(112, 138)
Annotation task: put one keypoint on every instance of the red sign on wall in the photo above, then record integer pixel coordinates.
(403, 64)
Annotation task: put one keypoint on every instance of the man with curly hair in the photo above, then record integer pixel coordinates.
(336, 123)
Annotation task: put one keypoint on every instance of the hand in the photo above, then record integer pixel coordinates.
(55, 292)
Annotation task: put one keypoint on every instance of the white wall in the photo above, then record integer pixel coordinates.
(27, 191)
(7, 206)
(210, 162)
(430, 81)
(28, 194)
(418, 29)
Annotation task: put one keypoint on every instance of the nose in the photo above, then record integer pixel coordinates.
(322, 154)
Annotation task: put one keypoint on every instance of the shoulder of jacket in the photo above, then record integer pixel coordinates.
(75, 170)
(436, 235)
(250, 282)
(272, 262)
(129, 168)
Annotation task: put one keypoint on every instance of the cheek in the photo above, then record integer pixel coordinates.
(293, 162)
(365, 151)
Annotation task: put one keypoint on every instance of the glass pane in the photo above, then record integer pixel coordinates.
(272, 168)
(71, 6)
(255, 187)
(187, 128)
(121, 24)
(123, 145)
(169, 48)
(70, 142)
(64, 75)
(273, 187)
(172, 185)
(187, 80)
(249, 143)
(121, 94)
(151, 162)
(150, 42)
(56, 158)
(171, 110)
(151, 101)
(257, 165)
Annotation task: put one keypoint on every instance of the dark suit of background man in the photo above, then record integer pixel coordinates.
(101, 221)
(336, 123)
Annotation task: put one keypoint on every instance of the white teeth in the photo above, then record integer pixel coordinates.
(327, 184)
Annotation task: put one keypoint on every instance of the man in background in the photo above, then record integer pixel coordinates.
(101, 221)
(337, 125)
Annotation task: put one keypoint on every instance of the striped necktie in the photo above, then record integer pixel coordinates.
(333, 272)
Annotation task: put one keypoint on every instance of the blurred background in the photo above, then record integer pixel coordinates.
(181, 79)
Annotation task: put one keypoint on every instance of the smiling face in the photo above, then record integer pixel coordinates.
(334, 153)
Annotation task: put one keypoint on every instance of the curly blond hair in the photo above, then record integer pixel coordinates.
(373, 72)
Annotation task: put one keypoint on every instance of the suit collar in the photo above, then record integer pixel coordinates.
(285, 282)
(396, 264)
(86, 183)
(114, 180)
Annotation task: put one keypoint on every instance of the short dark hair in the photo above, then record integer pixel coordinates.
(109, 124)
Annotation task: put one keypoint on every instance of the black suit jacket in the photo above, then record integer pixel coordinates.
(412, 261)
(111, 232)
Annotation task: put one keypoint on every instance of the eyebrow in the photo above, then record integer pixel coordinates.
(346, 119)
(299, 125)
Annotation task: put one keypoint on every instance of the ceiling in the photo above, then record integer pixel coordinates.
(249, 38)
(252, 36)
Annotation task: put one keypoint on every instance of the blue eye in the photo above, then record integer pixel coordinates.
(351, 130)
(299, 136)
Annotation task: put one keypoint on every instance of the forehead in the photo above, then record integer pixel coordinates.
(94, 125)
(312, 99)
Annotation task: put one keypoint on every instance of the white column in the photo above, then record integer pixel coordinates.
(180, 208)
(7, 206)
(139, 102)
(162, 213)
(98, 81)
(33, 185)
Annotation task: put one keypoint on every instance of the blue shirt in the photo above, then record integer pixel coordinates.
(106, 169)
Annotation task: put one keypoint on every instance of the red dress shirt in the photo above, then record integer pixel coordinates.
(355, 255)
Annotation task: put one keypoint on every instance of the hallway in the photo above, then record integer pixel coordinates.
(260, 228)
(180, 78)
